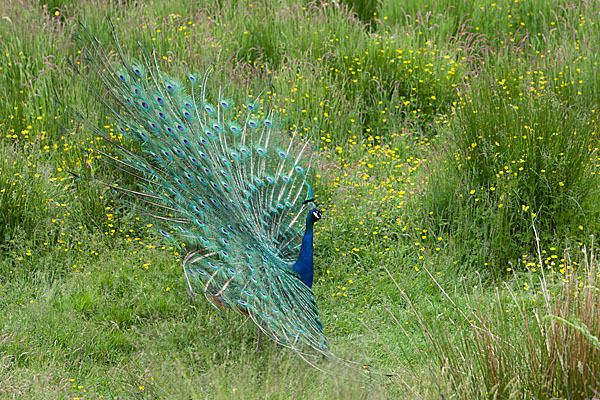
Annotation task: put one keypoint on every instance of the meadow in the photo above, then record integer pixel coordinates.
(457, 164)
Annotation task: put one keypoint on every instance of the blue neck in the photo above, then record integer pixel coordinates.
(305, 266)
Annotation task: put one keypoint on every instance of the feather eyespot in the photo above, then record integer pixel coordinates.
(170, 86)
(234, 128)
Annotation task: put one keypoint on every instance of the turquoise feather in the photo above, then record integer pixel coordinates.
(231, 185)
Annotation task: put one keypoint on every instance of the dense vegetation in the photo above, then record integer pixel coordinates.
(458, 167)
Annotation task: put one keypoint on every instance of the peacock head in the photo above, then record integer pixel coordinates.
(314, 215)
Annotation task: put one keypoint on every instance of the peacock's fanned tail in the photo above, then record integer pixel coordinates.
(227, 181)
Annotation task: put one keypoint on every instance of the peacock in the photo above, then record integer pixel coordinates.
(227, 181)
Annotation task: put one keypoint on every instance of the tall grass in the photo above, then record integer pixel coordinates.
(519, 153)
(532, 23)
(29, 197)
(539, 340)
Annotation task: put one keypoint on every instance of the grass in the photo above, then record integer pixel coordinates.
(427, 117)
(533, 340)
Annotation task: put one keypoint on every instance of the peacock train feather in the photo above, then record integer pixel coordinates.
(227, 181)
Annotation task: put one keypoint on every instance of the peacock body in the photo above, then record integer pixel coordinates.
(226, 181)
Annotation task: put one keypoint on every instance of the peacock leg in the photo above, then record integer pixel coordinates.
(258, 341)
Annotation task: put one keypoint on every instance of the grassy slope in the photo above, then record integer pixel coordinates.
(94, 305)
